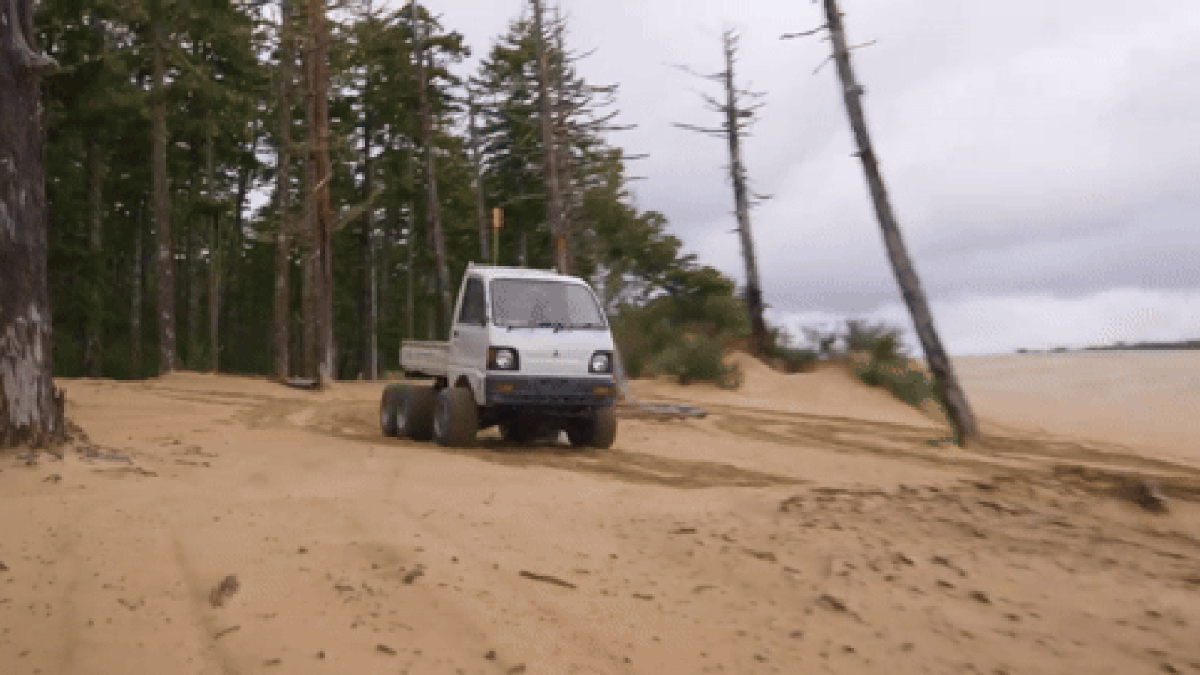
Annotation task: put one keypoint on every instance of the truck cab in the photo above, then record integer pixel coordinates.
(530, 351)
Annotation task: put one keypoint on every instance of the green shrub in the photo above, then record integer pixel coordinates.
(787, 358)
(884, 364)
(797, 360)
(696, 357)
(681, 335)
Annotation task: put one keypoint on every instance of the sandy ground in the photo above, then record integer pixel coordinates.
(807, 525)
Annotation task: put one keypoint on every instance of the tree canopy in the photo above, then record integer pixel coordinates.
(226, 118)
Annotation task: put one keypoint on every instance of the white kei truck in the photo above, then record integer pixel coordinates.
(530, 351)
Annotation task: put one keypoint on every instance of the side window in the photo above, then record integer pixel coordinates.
(473, 309)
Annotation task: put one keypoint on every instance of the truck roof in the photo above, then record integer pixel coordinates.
(489, 272)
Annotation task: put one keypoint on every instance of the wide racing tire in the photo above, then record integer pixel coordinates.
(387, 408)
(598, 430)
(455, 418)
(414, 414)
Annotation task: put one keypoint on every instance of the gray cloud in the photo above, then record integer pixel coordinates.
(1031, 150)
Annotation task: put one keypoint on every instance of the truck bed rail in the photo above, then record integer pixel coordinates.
(425, 357)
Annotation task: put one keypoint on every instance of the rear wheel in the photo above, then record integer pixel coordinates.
(414, 413)
(387, 409)
(455, 419)
(597, 430)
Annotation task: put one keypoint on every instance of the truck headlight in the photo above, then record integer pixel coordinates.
(503, 358)
(601, 362)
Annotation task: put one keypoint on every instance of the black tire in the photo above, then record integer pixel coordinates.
(455, 418)
(598, 430)
(414, 415)
(387, 409)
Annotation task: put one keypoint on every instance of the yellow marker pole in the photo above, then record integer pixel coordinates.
(497, 223)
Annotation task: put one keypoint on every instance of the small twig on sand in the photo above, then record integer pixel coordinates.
(546, 578)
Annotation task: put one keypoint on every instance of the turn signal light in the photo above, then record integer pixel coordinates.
(602, 390)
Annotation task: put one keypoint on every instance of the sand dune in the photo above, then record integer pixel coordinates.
(808, 524)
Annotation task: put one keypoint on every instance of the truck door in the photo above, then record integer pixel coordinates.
(469, 336)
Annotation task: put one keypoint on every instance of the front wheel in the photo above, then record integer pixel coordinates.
(597, 430)
(455, 419)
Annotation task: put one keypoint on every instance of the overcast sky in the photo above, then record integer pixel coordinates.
(1043, 157)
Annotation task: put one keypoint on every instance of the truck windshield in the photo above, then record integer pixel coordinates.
(532, 302)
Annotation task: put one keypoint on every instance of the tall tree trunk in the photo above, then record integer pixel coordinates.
(167, 358)
(322, 210)
(433, 210)
(214, 288)
(410, 243)
(135, 309)
(93, 353)
(194, 285)
(550, 172)
(308, 312)
(959, 411)
(737, 171)
(237, 338)
(214, 254)
(30, 407)
(477, 165)
(282, 310)
(368, 364)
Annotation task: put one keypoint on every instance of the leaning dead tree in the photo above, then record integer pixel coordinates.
(959, 410)
(30, 408)
(738, 118)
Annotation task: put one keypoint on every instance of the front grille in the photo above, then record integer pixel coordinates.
(555, 391)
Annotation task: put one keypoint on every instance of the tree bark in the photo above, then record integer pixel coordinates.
(308, 320)
(135, 309)
(554, 211)
(433, 210)
(477, 165)
(194, 242)
(959, 410)
(30, 407)
(214, 254)
(322, 210)
(368, 365)
(282, 308)
(167, 359)
(93, 352)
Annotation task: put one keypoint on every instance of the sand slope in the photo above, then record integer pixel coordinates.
(806, 525)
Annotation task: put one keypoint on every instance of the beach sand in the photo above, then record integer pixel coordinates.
(807, 524)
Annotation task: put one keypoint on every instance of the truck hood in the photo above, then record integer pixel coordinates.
(543, 351)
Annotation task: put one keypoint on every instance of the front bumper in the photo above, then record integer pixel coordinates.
(525, 390)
